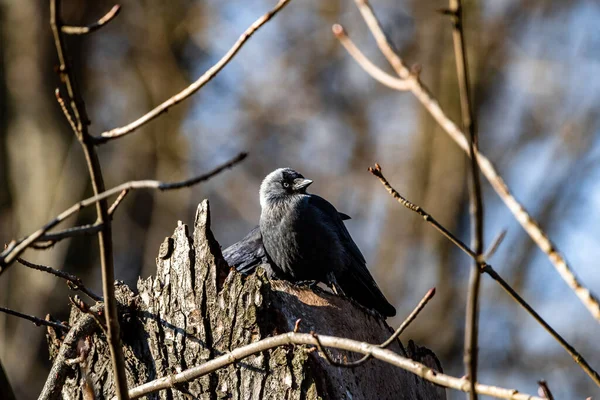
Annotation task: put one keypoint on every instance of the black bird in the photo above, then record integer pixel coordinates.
(249, 253)
(305, 237)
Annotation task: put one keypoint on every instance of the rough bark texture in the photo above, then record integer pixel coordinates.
(197, 308)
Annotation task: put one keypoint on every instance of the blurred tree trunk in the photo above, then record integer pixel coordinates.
(39, 177)
(196, 309)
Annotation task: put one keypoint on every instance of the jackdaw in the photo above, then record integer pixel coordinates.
(305, 238)
(249, 253)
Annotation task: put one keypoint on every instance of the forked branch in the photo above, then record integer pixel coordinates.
(486, 268)
(375, 351)
(12, 252)
(422, 93)
(194, 87)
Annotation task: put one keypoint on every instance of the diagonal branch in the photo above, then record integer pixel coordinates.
(75, 282)
(375, 351)
(194, 87)
(367, 65)
(529, 224)
(37, 321)
(495, 245)
(14, 251)
(80, 123)
(546, 390)
(50, 239)
(82, 30)
(486, 268)
(411, 317)
(475, 197)
(86, 325)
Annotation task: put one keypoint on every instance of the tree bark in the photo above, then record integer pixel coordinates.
(197, 308)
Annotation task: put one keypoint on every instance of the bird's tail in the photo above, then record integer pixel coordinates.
(364, 291)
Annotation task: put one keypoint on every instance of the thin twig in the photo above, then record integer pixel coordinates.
(82, 30)
(117, 202)
(371, 68)
(411, 317)
(105, 244)
(50, 239)
(486, 268)
(86, 309)
(75, 282)
(385, 355)
(545, 390)
(376, 73)
(84, 326)
(529, 224)
(194, 87)
(475, 197)
(63, 107)
(495, 244)
(37, 321)
(11, 253)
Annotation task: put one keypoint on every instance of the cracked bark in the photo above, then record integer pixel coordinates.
(196, 308)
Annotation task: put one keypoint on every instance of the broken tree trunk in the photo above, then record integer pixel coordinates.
(196, 309)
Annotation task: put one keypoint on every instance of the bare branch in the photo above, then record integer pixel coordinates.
(491, 272)
(68, 350)
(529, 224)
(376, 73)
(329, 341)
(382, 42)
(545, 390)
(117, 202)
(105, 244)
(495, 245)
(50, 239)
(37, 321)
(86, 309)
(475, 197)
(194, 87)
(12, 252)
(82, 30)
(411, 317)
(75, 282)
(367, 65)
(63, 107)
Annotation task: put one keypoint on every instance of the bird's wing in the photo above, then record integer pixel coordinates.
(356, 280)
(246, 254)
(337, 218)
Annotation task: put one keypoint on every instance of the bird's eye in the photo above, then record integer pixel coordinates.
(286, 185)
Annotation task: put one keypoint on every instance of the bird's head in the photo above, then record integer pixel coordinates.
(281, 184)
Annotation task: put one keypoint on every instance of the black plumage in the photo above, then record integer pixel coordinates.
(247, 254)
(306, 239)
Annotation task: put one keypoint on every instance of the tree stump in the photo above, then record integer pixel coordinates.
(197, 308)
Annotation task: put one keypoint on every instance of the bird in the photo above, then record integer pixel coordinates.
(249, 253)
(304, 237)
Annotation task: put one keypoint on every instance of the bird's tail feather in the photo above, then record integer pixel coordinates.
(366, 293)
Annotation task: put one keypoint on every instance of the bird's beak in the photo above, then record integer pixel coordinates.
(301, 184)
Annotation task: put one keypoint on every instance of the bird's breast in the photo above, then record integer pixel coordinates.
(299, 244)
